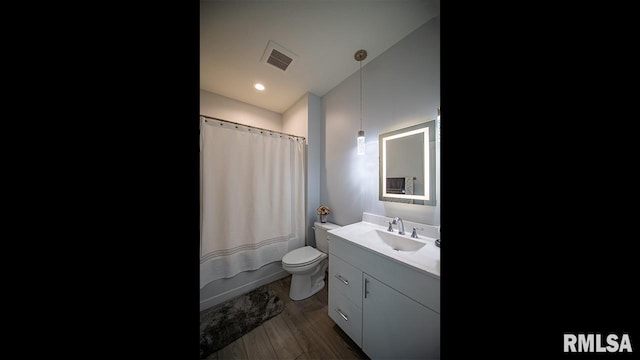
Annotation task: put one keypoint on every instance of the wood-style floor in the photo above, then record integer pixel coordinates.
(303, 330)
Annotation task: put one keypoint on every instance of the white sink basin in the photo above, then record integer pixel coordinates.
(397, 242)
(420, 253)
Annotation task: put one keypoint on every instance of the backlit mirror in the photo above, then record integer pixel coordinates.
(407, 164)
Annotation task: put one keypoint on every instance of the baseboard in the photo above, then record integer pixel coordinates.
(230, 294)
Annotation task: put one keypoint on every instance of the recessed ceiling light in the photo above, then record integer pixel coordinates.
(259, 86)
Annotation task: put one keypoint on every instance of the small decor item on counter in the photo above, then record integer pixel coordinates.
(323, 211)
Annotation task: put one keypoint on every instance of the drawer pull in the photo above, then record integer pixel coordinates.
(341, 279)
(343, 315)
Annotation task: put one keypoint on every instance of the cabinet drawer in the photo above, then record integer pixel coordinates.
(346, 279)
(346, 315)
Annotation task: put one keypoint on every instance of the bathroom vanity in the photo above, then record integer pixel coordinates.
(384, 290)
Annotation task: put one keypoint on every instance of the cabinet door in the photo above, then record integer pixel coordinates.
(395, 326)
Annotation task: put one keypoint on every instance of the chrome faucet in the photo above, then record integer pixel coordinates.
(400, 224)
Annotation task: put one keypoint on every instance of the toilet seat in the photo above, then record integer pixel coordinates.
(302, 256)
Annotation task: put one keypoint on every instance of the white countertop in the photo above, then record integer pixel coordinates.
(425, 259)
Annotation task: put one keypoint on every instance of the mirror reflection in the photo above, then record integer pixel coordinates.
(407, 165)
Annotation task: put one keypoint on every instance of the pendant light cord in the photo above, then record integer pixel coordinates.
(360, 94)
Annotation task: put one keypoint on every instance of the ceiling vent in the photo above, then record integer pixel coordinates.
(278, 56)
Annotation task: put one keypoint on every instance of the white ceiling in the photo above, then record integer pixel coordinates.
(323, 34)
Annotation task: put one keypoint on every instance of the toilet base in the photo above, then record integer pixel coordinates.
(305, 286)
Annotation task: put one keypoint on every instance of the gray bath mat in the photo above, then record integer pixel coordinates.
(224, 323)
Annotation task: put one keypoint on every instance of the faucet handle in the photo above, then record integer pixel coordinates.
(390, 227)
(414, 233)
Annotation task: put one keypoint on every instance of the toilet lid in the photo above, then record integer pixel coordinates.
(301, 256)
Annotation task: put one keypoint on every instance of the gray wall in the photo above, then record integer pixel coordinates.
(218, 106)
(314, 153)
(400, 88)
(304, 118)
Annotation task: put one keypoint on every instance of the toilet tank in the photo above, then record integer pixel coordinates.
(321, 235)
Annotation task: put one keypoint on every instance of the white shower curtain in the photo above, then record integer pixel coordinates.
(252, 198)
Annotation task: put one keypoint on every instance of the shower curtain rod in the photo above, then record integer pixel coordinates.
(209, 118)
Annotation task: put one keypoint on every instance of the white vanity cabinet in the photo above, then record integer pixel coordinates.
(389, 309)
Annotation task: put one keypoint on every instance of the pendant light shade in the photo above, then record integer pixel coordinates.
(359, 56)
(361, 142)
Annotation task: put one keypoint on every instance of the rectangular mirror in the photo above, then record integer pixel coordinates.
(407, 164)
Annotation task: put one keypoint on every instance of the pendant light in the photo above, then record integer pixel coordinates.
(359, 56)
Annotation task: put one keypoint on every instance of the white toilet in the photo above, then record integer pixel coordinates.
(307, 265)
